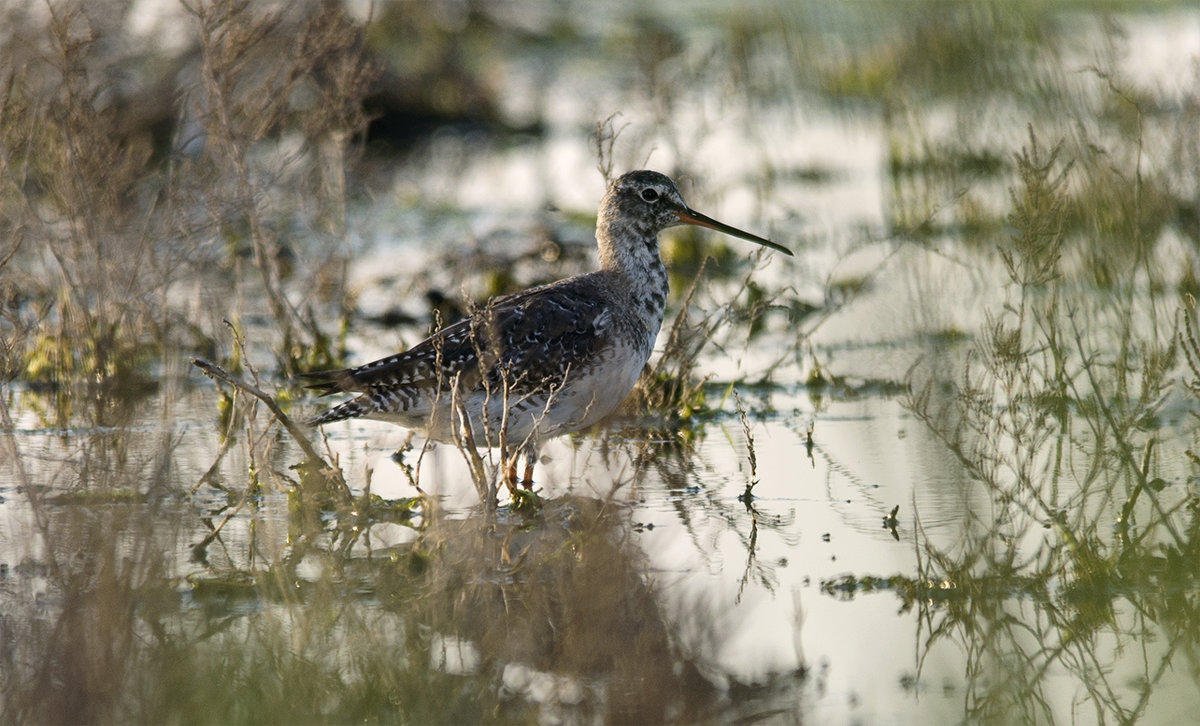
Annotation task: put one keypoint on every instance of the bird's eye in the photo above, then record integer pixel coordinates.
(650, 194)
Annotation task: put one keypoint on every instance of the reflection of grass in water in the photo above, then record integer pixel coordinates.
(491, 618)
(87, 555)
(479, 620)
(1056, 410)
(1051, 416)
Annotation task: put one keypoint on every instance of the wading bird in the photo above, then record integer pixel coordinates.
(542, 362)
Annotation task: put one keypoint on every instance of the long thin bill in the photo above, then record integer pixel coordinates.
(691, 216)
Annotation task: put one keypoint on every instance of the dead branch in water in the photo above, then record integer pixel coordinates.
(218, 373)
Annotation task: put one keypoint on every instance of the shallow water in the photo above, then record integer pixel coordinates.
(705, 570)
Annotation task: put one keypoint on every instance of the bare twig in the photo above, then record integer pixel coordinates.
(218, 373)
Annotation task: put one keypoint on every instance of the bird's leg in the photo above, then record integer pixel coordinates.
(510, 472)
(530, 460)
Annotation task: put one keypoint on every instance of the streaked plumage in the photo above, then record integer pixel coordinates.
(545, 361)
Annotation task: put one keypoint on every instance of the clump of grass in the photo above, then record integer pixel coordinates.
(246, 102)
(671, 386)
(1189, 343)
(80, 200)
(103, 215)
(1032, 257)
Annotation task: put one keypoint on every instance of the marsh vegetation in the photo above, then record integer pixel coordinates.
(988, 344)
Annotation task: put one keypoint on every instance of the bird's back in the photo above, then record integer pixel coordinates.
(523, 349)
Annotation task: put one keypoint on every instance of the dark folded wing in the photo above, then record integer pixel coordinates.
(528, 340)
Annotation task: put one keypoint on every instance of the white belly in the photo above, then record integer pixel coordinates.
(581, 401)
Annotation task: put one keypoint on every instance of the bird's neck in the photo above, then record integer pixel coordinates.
(632, 253)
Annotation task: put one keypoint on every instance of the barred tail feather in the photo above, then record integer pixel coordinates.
(340, 412)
